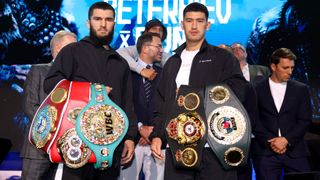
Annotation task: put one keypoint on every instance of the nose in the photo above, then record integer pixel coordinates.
(194, 25)
(103, 23)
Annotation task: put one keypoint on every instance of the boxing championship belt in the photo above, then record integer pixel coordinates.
(67, 147)
(47, 120)
(101, 125)
(186, 128)
(229, 129)
(53, 127)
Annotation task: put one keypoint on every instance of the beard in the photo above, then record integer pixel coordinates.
(103, 40)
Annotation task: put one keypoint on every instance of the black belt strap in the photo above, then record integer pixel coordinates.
(229, 129)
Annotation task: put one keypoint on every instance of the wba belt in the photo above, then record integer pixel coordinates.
(186, 129)
(229, 129)
(54, 126)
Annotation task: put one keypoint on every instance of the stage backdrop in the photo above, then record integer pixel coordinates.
(27, 27)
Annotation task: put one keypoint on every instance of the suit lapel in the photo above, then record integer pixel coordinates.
(252, 72)
(269, 96)
(287, 96)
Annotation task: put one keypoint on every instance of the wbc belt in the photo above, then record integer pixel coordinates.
(54, 126)
(186, 129)
(101, 125)
(229, 130)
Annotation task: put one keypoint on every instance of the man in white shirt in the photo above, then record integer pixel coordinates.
(284, 114)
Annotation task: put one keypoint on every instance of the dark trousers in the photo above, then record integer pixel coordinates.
(272, 167)
(37, 169)
(88, 172)
(245, 172)
(210, 169)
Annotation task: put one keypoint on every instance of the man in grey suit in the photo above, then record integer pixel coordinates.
(252, 73)
(36, 164)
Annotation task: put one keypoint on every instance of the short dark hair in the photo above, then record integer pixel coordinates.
(282, 53)
(196, 7)
(100, 5)
(156, 22)
(145, 38)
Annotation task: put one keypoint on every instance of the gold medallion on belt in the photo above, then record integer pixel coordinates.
(102, 124)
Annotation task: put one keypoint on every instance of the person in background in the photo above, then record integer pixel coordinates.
(131, 54)
(150, 51)
(35, 163)
(285, 113)
(252, 73)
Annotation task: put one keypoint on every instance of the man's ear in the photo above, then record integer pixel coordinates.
(182, 27)
(88, 24)
(208, 25)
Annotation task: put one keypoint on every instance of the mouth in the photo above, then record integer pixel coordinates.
(193, 33)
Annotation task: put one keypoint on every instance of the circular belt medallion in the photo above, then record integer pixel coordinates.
(43, 126)
(191, 101)
(188, 157)
(187, 128)
(102, 124)
(227, 125)
(219, 94)
(73, 114)
(59, 95)
(233, 156)
(74, 152)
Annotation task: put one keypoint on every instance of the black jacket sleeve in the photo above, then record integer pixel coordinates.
(127, 104)
(62, 68)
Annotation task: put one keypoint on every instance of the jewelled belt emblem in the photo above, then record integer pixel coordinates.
(188, 157)
(190, 102)
(74, 152)
(226, 125)
(44, 124)
(219, 94)
(102, 124)
(187, 128)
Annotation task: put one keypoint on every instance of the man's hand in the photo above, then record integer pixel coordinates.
(127, 152)
(108, 89)
(150, 74)
(144, 142)
(278, 144)
(145, 131)
(156, 148)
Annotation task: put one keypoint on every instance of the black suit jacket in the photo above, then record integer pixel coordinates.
(293, 119)
(33, 97)
(144, 110)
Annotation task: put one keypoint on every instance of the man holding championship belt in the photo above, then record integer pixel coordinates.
(93, 60)
(197, 64)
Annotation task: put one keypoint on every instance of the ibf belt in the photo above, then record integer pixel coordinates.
(67, 147)
(101, 125)
(186, 129)
(46, 121)
(229, 130)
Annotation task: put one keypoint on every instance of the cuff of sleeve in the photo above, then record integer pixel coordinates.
(139, 125)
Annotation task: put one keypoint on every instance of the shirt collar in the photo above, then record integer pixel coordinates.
(143, 64)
